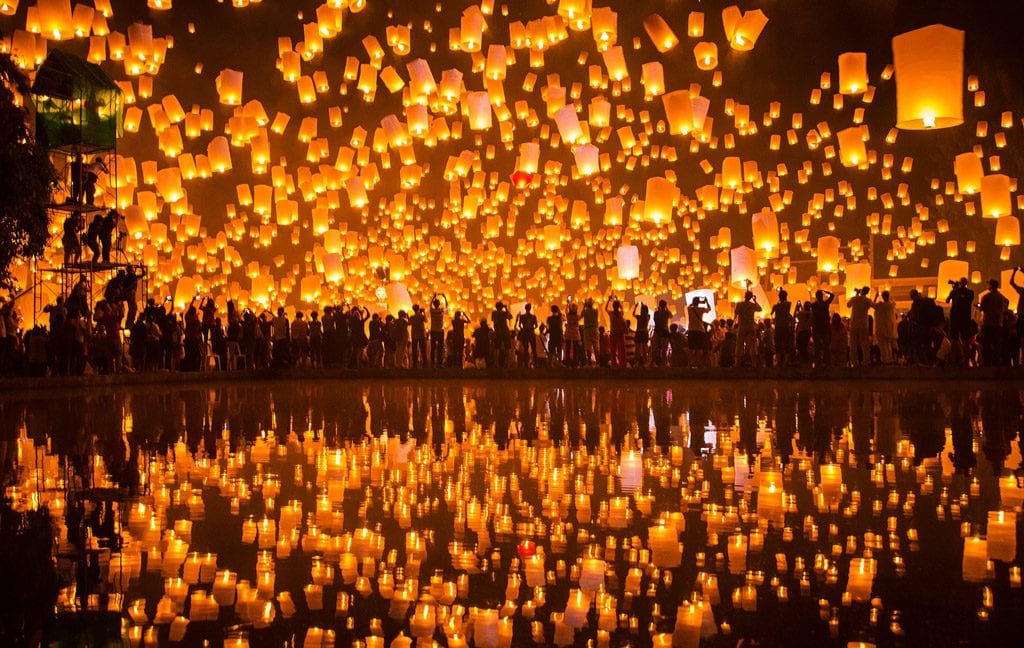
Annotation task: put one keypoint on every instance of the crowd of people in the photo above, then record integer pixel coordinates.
(115, 336)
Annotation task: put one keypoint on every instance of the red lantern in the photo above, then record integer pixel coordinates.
(527, 548)
(521, 179)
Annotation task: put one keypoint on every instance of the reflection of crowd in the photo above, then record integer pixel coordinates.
(114, 336)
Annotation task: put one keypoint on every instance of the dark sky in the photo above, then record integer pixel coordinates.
(802, 40)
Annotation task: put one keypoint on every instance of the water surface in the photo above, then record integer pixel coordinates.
(357, 508)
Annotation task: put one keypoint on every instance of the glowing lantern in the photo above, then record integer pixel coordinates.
(706, 55)
(732, 172)
(765, 225)
(55, 19)
(858, 275)
(471, 29)
(661, 198)
(628, 257)
(852, 150)
(168, 183)
(929, 65)
(661, 34)
(952, 270)
(695, 24)
(184, 292)
(604, 24)
(743, 29)
(219, 153)
(828, 254)
(8, 7)
(587, 159)
(1007, 231)
(615, 63)
(743, 266)
(552, 237)
(229, 87)
(568, 124)
(853, 73)
(135, 222)
(479, 105)
(995, 195)
(968, 170)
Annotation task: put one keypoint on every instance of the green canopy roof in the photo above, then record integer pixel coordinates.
(77, 104)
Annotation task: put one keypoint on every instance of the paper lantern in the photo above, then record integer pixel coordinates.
(229, 87)
(471, 29)
(852, 150)
(765, 225)
(684, 113)
(743, 267)
(479, 106)
(660, 199)
(568, 124)
(604, 24)
(968, 170)
(587, 158)
(828, 254)
(1007, 231)
(184, 292)
(615, 63)
(952, 270)
(743, 30)
(996, 200)
(135, 222)
(853, 73)
(628, 257)
(732, 172)
(706, 55)
(660, 33)
(168, 184)
(858, 275)
(55, 19)
(929, 65)
(398, 298)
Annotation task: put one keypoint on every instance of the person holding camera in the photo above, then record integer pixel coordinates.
(961, 322)
(860, 330)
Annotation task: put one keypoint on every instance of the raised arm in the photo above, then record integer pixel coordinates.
(1013, 279)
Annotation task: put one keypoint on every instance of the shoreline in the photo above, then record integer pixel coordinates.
(41, 385)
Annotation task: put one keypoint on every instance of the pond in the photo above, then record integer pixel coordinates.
(501, 513)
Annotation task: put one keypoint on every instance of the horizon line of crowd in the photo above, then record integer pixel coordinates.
(115, 336)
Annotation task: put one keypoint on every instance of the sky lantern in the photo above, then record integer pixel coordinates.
(1007, 231)
(996, 200)
(695, 24)
(743, 267)
(743, 29)
(969, 171)
(568, 123)
(628, 262)
(471, 29)
(604, 24)
(55, 19)
(929, 66)
(479, 105)
(660, 199)
(706, 55)
(587, 158)
(828, 254)
(653, 79)
(615, 63)
(852, 150)
(853, 73)
(660, 33)
(952, 270)
(765, 226)
(229, 87)
(732, 172)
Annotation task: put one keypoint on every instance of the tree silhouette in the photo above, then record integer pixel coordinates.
(27, 177)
